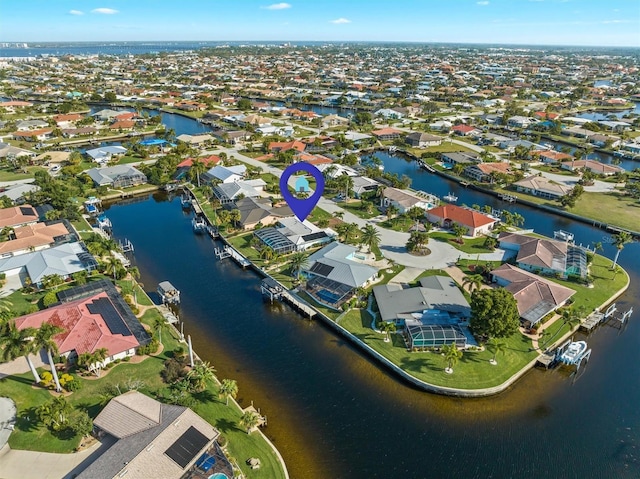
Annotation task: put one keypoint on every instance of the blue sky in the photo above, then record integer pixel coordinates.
(547, 22)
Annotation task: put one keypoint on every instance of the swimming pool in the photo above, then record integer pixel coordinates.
(218, 475)
(328, 296)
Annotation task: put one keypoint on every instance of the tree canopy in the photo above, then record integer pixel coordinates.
(494, 313)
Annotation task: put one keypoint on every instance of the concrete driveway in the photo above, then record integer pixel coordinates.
(7, 419)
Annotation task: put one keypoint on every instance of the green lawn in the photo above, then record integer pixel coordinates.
(9, 174)
(330, 313)
(427, 273)
(318, 214)
(355, 207)
(95, 392)
(608, 208)
(473, 371)
(470, 245)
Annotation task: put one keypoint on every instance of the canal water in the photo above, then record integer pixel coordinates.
(334, 413)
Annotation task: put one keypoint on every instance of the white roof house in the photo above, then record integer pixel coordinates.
(337, 262)
(227, 174)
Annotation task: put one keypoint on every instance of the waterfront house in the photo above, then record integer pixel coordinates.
(404, 200)
(35, 236)
(118, 176)
(92, 317)
(259, 211)
(460, 158)
(545, 256)
(536, 297)
(418, 139)
(552, 157)
(387, 134)
(290, 234)
(229, 192)
(63, 260)
(149, 439)
(475, 222)
(106, 115)
(30, 125)
(105, 154)
(277, 146)
(333, 120)
(225, 174)
(484, 172)
(335, 271)
(520, 121)
(596, 167)
(435, 294)
(363, 184)
(542, 187)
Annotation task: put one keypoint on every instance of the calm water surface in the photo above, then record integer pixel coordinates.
(333, 413)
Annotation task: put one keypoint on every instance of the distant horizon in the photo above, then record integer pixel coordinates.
(348, 42)
(579, 23)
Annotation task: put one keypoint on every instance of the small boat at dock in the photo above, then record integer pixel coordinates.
(563, 235)
(574, 352)
(451, 198)
(199, 224)
(168, 293)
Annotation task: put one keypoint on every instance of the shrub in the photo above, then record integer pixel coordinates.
(173, 371)
(46, 378)
(49, 299)
(222, 440)
(150, 348)
(73, 385)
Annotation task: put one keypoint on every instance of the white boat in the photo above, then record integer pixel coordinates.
(574, 352)
(563, 235)
(451, 198)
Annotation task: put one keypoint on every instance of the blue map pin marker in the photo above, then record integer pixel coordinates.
(301, 207)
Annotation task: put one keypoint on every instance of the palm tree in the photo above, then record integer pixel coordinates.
(228, 388)
(249, 420)
(200, 375)
(496, 347)
(392, 211)
(338, 214)
(473, 282)
(370, 236)
(112, 266)
(16, 342)
(451, 354)
(298, 261)
(597, 246)
(380, 194)
(387, 327)
(44, 340)
(458, 232)
(619, 240)
(197, 169)
(235, 216)
(157, 325)
(267, 253)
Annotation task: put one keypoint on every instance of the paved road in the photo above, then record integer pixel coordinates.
(393, 243)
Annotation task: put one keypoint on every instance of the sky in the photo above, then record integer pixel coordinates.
(530, 22)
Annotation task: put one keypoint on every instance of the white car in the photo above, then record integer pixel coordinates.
(55, 168)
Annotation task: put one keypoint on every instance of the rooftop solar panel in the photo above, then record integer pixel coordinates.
(314, 236)
(185, 448)
(105, 308)
(321, 269)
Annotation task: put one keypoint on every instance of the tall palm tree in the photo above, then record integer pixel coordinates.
(298, 261)
(198, 168)
(200, 375)
(473, 282)
(451, 354)
(387, 327)
(496, 347)
(228, 388)
(112, 267)
(158, 325)
(380, 194)
(619, 240)
(370, 236)
(597, 246)
(44, 340)
(338, 214)
(249, 420)
(16, 342)
(392, 211)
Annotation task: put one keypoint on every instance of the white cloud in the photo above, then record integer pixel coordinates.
(104, 11)
(616, 21)
(340, 21)
(483, 3)
(75, 12)
(278, 6)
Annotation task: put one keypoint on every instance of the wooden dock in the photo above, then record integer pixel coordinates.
(597, 317)
(229, 252)
(274, 290)
(547, 359)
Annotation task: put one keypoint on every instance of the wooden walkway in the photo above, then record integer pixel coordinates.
(229, 252)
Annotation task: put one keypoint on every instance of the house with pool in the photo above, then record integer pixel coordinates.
(334, 272)
(404, 200)
(432, 315)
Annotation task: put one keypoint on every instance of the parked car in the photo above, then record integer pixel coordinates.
(55, 168)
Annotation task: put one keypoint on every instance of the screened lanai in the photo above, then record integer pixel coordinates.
(418, 335)
(275, 240)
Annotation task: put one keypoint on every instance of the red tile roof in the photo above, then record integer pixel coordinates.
(461, 216)
(464, 128)
(386, 131)
(287, 145)
(84, 332)
(207, 160)
(314, 159)
(122, 124)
